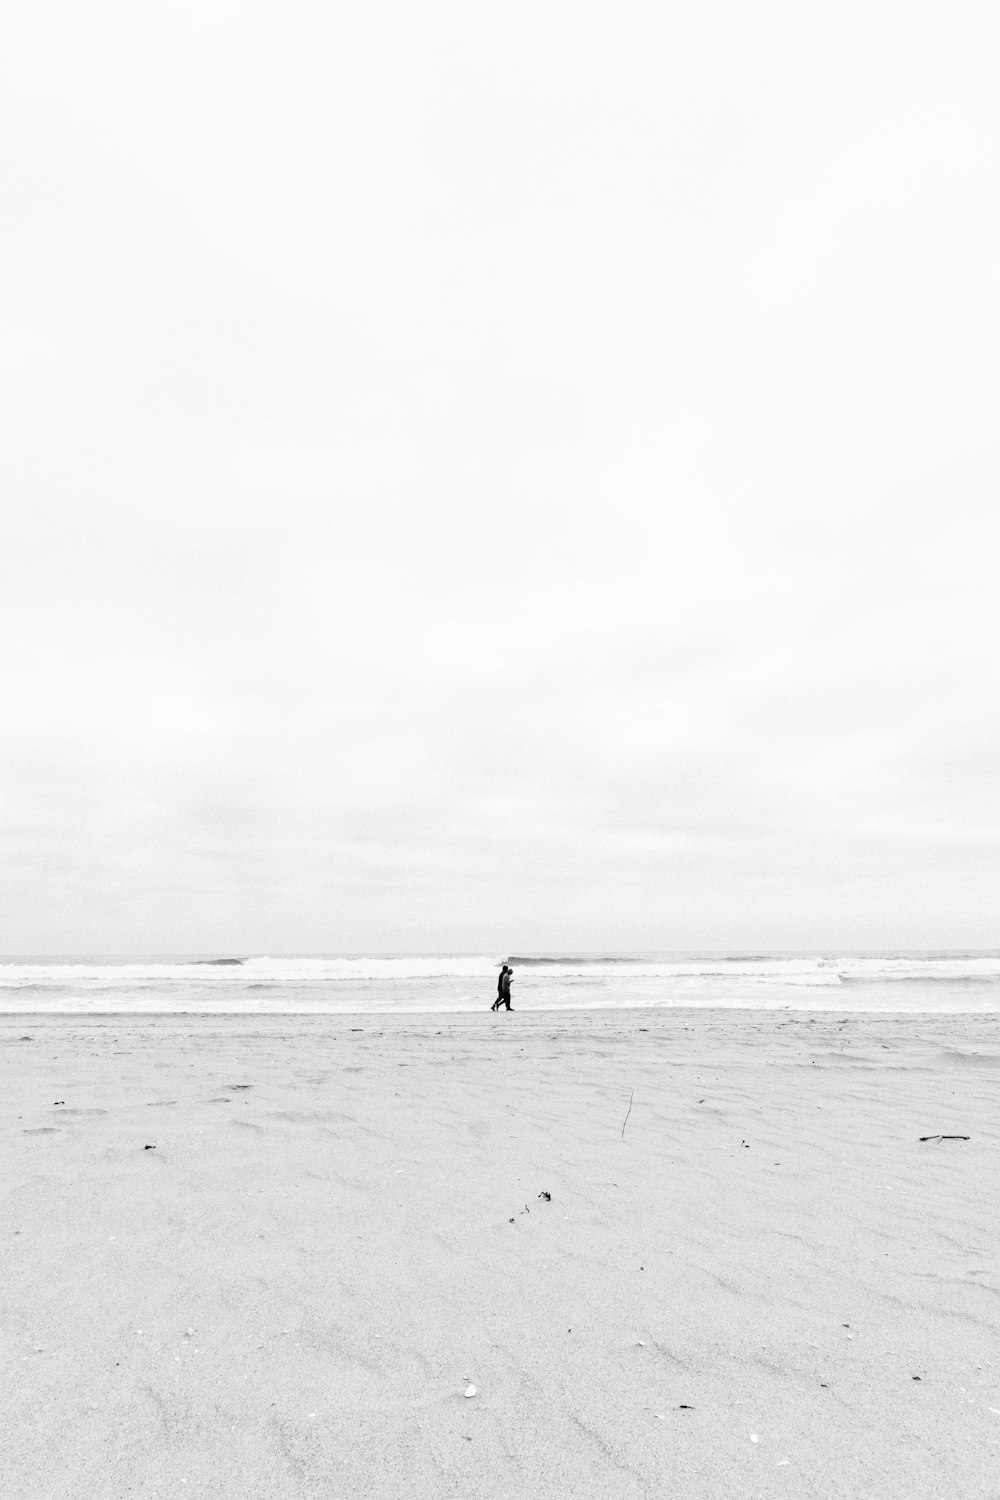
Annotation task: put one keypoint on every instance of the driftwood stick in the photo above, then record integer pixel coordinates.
(946, 1138)
(627, 1112)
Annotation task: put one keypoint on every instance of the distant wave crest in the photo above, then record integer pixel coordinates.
(466, 982)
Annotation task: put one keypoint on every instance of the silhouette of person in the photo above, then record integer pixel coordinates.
(500, 990)
(503, 988)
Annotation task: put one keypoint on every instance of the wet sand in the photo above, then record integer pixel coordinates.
(768, 1286)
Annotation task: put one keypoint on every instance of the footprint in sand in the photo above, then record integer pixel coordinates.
(43, 1130)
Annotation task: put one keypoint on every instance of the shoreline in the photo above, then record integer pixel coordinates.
(555, 1014)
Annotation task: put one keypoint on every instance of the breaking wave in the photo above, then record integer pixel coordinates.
(467, 982)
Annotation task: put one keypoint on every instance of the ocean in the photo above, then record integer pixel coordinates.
(450, 983)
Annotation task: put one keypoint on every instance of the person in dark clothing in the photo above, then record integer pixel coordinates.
(503, 989)
(499, 999)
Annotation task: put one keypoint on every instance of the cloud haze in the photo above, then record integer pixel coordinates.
(499, 479)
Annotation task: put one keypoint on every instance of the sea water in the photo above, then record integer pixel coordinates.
(442, 983)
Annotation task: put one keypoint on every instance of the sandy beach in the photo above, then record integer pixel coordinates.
(270, 1256)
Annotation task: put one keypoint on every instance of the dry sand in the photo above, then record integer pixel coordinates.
(340, 1229)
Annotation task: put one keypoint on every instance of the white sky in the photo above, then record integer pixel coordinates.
(508, 477)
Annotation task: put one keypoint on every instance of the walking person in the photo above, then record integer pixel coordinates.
(503, 988)
(500, 987)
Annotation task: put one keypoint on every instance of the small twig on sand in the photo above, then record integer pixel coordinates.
(945, 1138)
(627, 1112)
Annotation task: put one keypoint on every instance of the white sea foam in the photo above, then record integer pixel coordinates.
(442, 983)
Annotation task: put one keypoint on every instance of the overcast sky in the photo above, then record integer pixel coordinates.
(499, 477)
